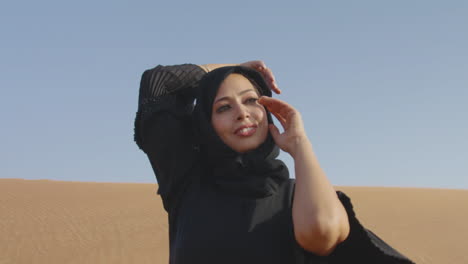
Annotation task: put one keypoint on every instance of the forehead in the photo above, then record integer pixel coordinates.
(234, 84)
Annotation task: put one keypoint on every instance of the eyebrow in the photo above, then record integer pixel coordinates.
(227, 97)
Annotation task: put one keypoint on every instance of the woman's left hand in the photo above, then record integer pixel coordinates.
(266, 72)
(291, 120)
(257, 65)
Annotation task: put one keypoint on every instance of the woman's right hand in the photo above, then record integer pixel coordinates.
(266, 73)
(294, 134)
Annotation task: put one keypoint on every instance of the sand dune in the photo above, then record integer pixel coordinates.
(43, 221)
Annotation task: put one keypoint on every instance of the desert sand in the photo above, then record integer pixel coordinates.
(45, 221)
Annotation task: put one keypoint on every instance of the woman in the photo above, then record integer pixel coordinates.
(228, 198)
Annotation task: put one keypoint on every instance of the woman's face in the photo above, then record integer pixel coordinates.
(236, 117)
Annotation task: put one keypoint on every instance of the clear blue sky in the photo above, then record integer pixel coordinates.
(382, 85)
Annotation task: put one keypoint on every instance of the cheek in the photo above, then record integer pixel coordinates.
(261, 116)
(219, 124)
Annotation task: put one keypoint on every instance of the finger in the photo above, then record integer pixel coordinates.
(255, 64)
(276, 89)
(266, 73)
(276, 105)
(281, 119)
(284, 113)
(271, 106)
(263, 101)
(260, 65)
(275, 133)
(271, 80)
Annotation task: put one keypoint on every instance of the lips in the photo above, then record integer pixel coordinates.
(246, 130)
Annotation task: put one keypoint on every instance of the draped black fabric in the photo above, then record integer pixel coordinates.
(165, 90)
(226, 207)
(256, 173)
(163, 127)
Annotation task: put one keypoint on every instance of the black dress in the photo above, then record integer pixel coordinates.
(207, 224)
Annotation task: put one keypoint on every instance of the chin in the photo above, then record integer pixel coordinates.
(246, 144)
(245, 150)
(247, 147)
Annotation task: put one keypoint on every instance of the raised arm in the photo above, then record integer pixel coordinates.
(320, 220)
(162, 123)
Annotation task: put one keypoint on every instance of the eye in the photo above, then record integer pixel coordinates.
(223, 108)
(251, 100)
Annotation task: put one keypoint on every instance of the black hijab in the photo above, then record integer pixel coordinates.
(255, 173)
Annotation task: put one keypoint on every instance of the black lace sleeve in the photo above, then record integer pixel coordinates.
(361, 246)
(162, 125)
(165, 89)
(163, 80)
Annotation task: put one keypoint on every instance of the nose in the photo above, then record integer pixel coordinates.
(242, 113)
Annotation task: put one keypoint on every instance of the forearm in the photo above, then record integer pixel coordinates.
(320, 220)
